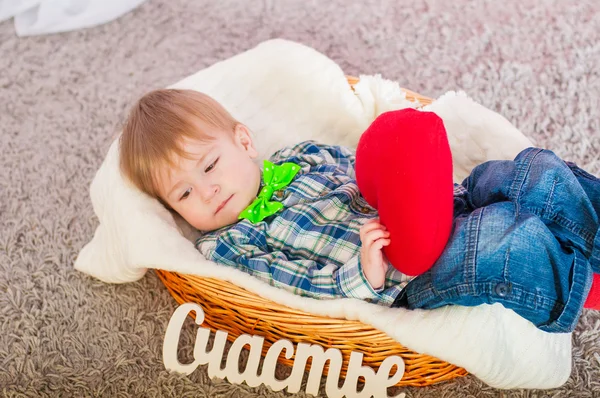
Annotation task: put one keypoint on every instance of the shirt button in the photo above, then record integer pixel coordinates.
(501, 289)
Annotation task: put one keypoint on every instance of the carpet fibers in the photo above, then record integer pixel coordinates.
(63, 98)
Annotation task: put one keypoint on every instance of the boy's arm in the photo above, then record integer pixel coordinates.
(300, 276)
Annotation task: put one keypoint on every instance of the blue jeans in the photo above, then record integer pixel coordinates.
(526, 235)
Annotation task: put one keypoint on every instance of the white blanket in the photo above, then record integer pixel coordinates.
(287, 93)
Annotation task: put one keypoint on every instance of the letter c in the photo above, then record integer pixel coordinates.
(172, 335)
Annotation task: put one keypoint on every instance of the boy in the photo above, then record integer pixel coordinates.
(523, 232)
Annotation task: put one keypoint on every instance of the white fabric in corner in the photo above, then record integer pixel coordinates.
(37, 17)
(286, 93)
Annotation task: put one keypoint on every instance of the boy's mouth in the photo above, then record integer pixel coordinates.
(223, 204)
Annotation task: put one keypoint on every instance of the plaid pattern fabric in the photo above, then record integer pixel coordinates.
(312, 246)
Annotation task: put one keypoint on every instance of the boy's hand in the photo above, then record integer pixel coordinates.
(374, 236)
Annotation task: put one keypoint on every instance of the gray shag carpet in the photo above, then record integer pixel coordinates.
(63, 97)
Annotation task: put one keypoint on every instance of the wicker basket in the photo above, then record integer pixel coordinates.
(235, 310)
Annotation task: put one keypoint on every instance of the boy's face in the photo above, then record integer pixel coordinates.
(211, 189)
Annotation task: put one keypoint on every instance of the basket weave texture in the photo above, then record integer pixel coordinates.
(237, 311)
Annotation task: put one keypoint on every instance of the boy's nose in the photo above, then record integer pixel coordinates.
(209, 192)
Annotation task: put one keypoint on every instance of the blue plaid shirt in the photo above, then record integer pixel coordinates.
(312, 246)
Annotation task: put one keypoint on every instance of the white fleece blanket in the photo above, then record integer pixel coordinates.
(286, 93)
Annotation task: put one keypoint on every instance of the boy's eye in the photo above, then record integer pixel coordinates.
(211, 166)
(186, 194)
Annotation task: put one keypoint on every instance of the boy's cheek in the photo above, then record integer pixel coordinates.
(188, 214)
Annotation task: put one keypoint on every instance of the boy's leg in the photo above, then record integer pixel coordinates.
(404, 170)
(564, 197)
(539, 182)
(497, 254)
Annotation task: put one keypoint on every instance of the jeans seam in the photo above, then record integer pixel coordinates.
(569, 225)
(472, 244)
(549, 209)
(541, 303)
(505, 268)
(522, 172)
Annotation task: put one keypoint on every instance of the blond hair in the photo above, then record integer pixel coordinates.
(155, 129)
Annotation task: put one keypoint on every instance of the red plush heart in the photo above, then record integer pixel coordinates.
(404, 170)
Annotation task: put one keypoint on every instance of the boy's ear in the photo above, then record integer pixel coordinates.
(244, 138)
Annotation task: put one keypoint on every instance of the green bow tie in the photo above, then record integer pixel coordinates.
(274, 178)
